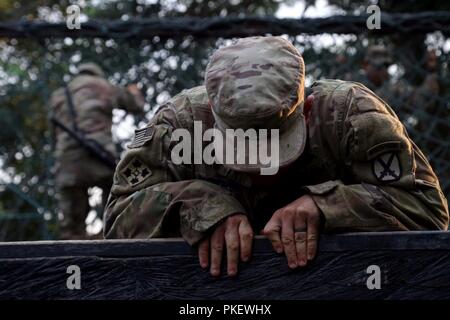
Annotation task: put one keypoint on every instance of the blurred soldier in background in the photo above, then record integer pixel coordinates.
(427, 118)
(426, 95)
(85, 153)
(340, 70)
(376, 77)
(375, 65)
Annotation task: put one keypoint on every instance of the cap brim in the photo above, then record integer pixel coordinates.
(288, 146)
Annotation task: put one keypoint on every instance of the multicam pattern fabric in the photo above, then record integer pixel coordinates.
(269, 68)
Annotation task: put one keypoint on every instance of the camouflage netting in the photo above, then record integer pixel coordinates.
(417, 86)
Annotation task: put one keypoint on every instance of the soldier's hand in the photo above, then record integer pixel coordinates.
(294, 229)
(137, 94)
(133, 89)
(234, 234)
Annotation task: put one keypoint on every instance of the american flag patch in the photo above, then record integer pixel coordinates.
(141, 136)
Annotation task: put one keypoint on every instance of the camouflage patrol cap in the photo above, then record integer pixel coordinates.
(258, 82)
(91, 68)
(378, 55)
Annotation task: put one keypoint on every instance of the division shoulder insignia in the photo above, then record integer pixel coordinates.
(386, 167)
(136, 172)
(142, 136)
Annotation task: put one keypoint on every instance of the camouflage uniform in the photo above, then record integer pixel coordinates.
(76, 169)
(358, 163)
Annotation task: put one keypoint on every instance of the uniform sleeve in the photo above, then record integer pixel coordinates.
(388, 184)
(151, 197)
(128, 101)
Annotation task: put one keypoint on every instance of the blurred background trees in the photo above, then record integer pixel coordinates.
(30, 69)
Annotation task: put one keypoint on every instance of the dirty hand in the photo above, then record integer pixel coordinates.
(133, 89)
(294, 229)
(137, 94)
(236, 235)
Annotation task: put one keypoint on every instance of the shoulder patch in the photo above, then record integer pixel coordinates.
(135, 172)
(142, 136)
(386, 167)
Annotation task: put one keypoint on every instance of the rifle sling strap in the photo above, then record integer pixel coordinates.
(72, 111)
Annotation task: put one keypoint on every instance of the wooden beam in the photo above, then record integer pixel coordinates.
(412, 265)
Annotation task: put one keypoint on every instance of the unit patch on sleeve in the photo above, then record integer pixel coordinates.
(136, 172)
(386, 167)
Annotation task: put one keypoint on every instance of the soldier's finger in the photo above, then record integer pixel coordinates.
(246, 240)
(232, 244)
(216, 244)
(203, 253)
(313, 236)
(287, 238)
(272, 232)
(300, 240)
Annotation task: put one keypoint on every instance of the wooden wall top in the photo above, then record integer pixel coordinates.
(412, 265)
(366, 241)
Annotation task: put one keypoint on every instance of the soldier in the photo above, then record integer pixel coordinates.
(426, 95)
(428, 117)
(375, 65)
(345, 163)
(82, 113)
(376, 77)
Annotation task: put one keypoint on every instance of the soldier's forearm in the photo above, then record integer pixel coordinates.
(130, 102)
(365, 207)
(197, 205)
